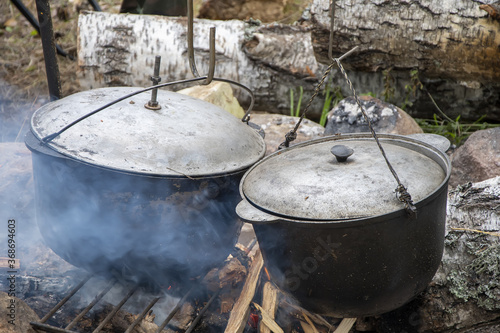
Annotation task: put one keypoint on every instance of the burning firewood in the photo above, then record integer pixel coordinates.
(269, 303)
(268, 320)
(345, 326)
(310, 324)
(311, 316)
(241, 309)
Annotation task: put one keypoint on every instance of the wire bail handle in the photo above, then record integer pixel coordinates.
(401, 192)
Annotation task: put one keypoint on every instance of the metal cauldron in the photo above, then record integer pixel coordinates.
(144, 194)
(334, 235)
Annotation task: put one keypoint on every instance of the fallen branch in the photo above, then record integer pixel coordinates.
(478, 231)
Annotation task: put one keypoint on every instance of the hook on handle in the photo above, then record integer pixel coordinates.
(192, 64)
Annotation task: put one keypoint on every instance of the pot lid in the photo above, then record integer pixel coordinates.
(307, 181)
(185, 137)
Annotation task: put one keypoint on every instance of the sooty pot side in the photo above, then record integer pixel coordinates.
(160, 231)
(347, 267)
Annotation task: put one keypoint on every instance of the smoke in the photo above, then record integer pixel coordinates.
(153, 231)
(163, 234)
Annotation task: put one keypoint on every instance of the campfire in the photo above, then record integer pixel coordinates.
(237, 296)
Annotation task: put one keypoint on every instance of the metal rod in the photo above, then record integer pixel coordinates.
(174, 311)
(91, 305)
(27, 14)
(348, 53)
(142, 315)
(115, 310)
(65, 299)
(52, 136)
(153, 103)
(190, 33)
(202, 312)
(95, 5)
(34, 23)
(332, 19)
(49, 328)
(48, 45)
(211, 63)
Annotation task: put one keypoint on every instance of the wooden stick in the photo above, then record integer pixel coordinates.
(269, 303)
(309, 321)
(267, 320)
(345, 325)
(241, 309)
(477, 231)
(315, 317)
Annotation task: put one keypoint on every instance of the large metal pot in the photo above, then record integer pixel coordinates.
(144, 194)
(335, 236)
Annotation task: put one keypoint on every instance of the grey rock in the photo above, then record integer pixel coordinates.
(478, 158)
(276, 126)
(346, 117)
(16, 315)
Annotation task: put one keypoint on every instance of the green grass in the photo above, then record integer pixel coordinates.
(295, 112)
(453, 129)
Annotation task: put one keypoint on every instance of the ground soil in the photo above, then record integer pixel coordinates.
(23, 82)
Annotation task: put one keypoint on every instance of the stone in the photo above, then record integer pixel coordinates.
(276, 126)
(478, 158)
(346, 117)
(16, 315)
(217, 93)
(263, 10)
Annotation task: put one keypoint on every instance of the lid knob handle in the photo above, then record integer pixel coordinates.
(341, 152)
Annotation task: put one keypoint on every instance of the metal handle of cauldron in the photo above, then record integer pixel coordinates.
(208, 78)
(211, 64)
(402, 192)
(245, 118)
(190, 33)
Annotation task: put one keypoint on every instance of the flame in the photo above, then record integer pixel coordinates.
(267, 274)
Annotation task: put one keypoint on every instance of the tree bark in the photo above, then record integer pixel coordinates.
(119, 50)
(453, 44)
(452, 47)
(464, 294)
(450, 38)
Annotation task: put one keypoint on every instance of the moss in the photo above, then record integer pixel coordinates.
(479, 280)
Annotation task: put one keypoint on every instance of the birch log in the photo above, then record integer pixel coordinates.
(119, 49)
(442, 38)
(454, 45)
(464, 295)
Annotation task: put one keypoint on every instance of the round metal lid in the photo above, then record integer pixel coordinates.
(307, 181)
(186, 137)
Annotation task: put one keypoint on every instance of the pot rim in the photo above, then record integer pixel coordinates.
(273, 217)
(186, 136)
(35, 145)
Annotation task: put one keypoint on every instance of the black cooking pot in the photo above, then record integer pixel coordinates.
(143, 194)
(333, 233)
